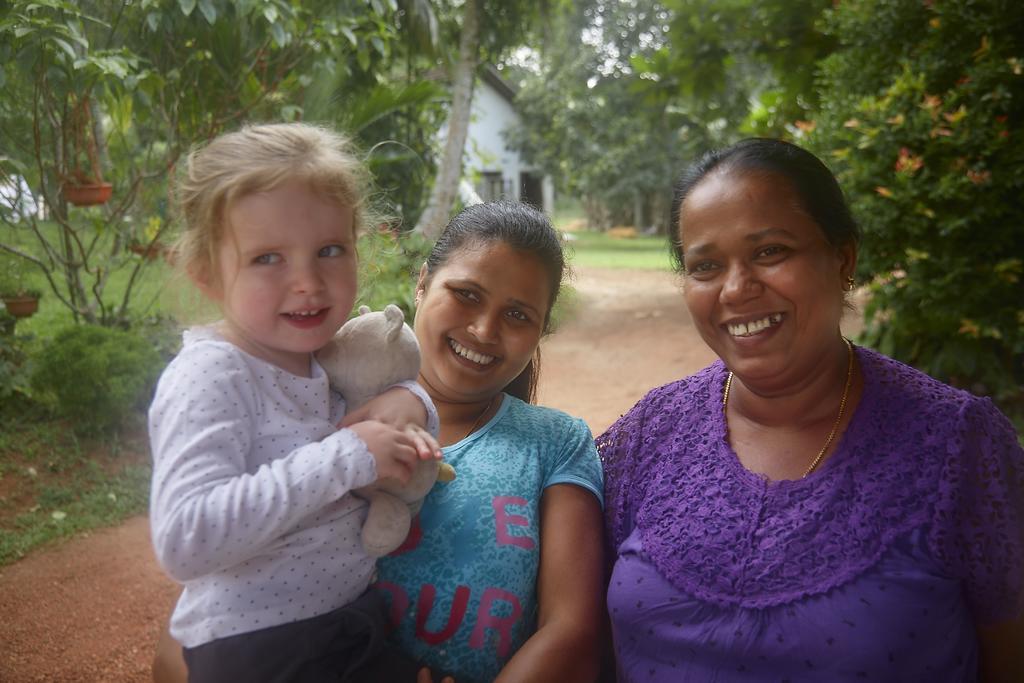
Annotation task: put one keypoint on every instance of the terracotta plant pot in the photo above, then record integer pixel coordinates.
(149, 252)
(21, 306)
(89, 194)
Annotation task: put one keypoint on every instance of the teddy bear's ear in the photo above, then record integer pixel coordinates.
(394, 317)
(363, 310)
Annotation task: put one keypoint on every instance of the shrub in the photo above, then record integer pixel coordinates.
(7, 323)
(388, 266)
(95, 375)
(926, 135)
(12, 358)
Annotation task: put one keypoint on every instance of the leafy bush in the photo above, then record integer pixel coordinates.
(16, 277)
(12, 358)
(7, 323)
(926, 136)
(95, 375)
(388, 266)
(162, 332)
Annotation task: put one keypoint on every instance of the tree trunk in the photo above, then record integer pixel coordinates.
(661, 211)
(598, 217)
(449, 173)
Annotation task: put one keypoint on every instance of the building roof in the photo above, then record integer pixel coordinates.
(492, 77)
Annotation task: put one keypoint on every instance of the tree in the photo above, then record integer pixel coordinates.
(487, 27)
(921, 112)
(389, 100)
(591, 121)
(742, 66)
(642, 87)
(134, 85)
(449, 173)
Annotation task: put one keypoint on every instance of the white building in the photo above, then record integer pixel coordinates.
(494, 170)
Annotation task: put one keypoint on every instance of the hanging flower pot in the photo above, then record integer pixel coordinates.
(87, 194)
(21, 306)
(147, 251)
(83, 180)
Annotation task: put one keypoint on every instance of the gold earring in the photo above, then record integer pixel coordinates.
(850, 282)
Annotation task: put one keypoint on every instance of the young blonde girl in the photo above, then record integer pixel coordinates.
(251, 505)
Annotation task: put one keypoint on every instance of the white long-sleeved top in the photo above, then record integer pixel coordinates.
(250, 507)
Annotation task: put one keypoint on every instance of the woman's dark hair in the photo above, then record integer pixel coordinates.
(523, 228)
(813, 182)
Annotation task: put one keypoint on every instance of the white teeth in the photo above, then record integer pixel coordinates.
(469, 354)
(754, 326)
(304, 314)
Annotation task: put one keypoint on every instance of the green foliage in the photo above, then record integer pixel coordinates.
(92, 498)
(58, 483)
(389, 265)
(590, 122)
(96, 376)
(926, 138)
(15, 278)
(630, 92)
(13, 376)
(396, 123)
(120, 91)
(742, 66)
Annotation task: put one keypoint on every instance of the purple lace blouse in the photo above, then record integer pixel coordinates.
(874, 567)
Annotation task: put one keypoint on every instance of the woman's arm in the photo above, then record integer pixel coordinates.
(1002, 652)
(566, 646)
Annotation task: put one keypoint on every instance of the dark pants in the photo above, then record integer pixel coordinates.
(339, 646)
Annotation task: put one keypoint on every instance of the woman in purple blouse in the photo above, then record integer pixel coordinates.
(804, 509)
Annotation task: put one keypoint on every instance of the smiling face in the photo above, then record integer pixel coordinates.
(479, 320)
(764, 286)
(285, 274)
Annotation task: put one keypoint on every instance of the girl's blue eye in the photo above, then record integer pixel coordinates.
(331, 250)
(267, 259)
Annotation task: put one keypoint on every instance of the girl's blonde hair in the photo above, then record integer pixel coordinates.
(258, 158)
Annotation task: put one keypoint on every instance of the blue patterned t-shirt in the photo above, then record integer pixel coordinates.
(463, 587)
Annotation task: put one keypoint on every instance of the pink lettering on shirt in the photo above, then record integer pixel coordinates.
(412, 540)
(425, 604)
(399, 600)
(505, 519)
(503, 625)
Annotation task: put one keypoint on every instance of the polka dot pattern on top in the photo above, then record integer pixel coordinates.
(250, 505)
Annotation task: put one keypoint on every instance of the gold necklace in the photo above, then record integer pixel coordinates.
(476, 422)
(839, 417)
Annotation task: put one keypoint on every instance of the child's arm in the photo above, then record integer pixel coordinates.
(566, 645)
(210, 507)
(405, 406)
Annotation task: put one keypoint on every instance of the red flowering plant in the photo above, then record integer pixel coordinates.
(921, 114)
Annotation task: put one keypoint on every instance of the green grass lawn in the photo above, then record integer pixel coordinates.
(54, 483)
(158, 290)
(593, 249)
(600, 250)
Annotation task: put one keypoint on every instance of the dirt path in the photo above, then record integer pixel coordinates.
(90, 609)
(630, 334)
